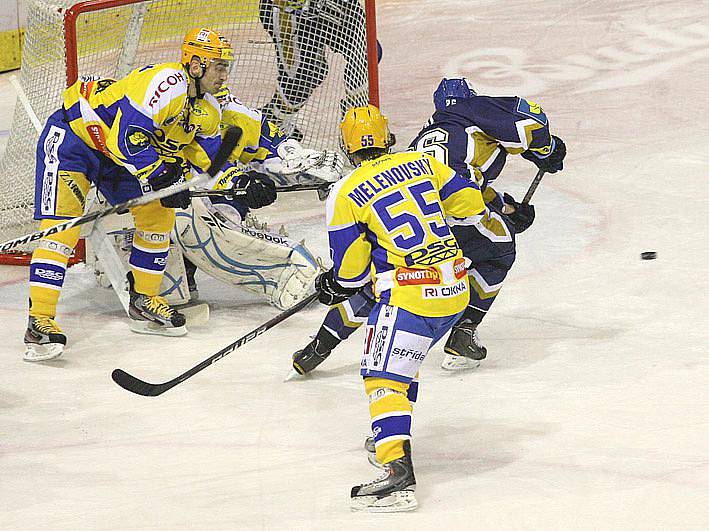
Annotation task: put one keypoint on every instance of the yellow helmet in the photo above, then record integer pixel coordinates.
(207, 44)
(364, 127)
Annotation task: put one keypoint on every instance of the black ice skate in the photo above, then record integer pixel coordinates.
(463, 348)
(44, 339)
(311, 356)
(314, 353)
(392, 492)
(153, 315)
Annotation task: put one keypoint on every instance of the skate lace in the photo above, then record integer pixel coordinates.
(384, 475)
(46, 325)
(159, 306)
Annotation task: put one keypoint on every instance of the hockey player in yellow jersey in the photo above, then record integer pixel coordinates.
(387, 225)
(127, 137)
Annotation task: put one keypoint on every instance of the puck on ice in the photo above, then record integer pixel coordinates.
(648, 255)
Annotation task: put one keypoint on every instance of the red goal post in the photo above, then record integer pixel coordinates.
(65, 39)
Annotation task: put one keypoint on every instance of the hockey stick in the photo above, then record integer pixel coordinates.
(228, 144)
(533, 187)
(139, 387)
(238, 192)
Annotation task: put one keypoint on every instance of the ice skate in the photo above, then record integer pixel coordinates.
(463, 348)
(306, 359)
(392, 492)
(153, 315)
(44, 339)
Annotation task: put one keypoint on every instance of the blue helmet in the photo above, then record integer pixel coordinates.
(450, 91)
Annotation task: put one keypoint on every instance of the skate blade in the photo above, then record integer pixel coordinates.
(195, 314)
(452, 362)
(396, 502)
(36, 352)
(292, 374)
(148, 327)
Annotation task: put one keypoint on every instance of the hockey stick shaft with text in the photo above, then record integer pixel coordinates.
(238, 192)
(231, 138)
(533, 187)
(137, 386)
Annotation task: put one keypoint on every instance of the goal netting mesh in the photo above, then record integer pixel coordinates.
(318, 48)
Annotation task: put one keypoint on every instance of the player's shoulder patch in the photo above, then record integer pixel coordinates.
(137, 139)
(531, 109)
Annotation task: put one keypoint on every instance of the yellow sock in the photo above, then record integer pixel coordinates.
(48, 268)
(390, 410)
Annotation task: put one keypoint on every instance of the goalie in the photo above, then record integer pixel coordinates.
(216, 233)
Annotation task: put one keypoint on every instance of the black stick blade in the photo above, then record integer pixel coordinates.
(137, 386)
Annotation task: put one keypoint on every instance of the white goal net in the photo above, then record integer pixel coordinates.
(301, 61)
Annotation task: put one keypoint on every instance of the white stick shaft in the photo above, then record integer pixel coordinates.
(22, 96)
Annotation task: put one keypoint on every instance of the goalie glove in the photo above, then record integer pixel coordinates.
(329, 291)
(296, 160)
(522, 216)
(260, 190)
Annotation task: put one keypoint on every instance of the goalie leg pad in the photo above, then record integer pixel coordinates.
(269, 264)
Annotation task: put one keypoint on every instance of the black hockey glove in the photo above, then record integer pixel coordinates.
(523, 216)
(260, 189)
(329, 291)
(552, 163)
(171, 175)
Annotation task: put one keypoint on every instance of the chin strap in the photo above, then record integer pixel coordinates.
(196, 79)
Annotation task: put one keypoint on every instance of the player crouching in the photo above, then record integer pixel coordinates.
(122, 136)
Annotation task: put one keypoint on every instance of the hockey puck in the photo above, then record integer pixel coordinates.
(648, 255)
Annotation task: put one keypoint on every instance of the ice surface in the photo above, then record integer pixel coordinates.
(591, 409)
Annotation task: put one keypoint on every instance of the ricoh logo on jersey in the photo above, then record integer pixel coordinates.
(412, 277)
(444, 292)
(171, 81)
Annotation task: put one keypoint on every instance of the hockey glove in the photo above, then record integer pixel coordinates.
(329, 291)
(171, 175)
(260, 189)
(553, 162)
(523, 215)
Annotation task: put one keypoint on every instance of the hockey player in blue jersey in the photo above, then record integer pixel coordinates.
(473, 134)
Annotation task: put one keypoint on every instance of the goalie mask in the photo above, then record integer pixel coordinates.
(451, 91)
(364, 128)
